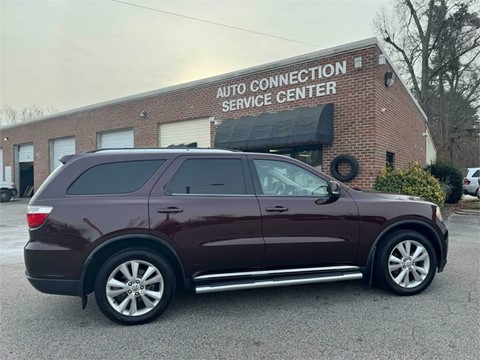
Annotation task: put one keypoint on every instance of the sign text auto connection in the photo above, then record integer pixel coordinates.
(256, 93)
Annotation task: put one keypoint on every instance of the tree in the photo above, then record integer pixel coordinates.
(10, 116)
(436, 44)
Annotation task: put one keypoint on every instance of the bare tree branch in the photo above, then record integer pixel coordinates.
(11, 116)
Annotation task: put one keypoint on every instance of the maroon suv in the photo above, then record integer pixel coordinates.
(132, 225)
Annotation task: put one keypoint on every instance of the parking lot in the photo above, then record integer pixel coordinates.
(331, 321)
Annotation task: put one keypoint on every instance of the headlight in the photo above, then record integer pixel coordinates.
(439, 214)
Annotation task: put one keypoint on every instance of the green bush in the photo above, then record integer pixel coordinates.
(451, 180)
(413, 180)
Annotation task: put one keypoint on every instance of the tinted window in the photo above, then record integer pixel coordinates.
(208, 177)
(476, 174)
(114, 178)
(278, 178)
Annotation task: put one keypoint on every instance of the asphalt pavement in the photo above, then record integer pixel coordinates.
(326, 321)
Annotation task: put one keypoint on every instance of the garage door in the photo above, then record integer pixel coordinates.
(185, 132)
(116, 139)
(1, 165)
(60, 147)
(25, 153)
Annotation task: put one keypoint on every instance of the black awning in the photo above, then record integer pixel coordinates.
(305, 126)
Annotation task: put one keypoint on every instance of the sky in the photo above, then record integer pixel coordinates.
(71, 53)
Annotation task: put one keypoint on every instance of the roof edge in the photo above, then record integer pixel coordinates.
(356, 45)
(397, 73)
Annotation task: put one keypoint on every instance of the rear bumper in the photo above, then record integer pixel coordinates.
(52, 269)
(56, 286)
(470, 189)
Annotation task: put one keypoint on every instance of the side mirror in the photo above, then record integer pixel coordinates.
(335, 189)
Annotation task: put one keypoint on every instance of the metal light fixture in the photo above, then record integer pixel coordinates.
(357, 62)
(5, 138)
(389, 78)
(382, 59)
(143, 114)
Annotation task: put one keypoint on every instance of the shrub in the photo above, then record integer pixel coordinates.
(413, 180)
(451, 180)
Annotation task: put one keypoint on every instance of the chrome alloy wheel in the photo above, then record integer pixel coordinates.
(409, 264)
(134, 288)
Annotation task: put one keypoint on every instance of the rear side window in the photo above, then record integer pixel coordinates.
(208, 177)
(476, 174)
(115, 178)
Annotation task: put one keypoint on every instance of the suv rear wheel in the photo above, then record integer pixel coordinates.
(406, 263)
(134, 287)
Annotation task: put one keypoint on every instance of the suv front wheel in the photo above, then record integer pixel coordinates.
(5, 195)
(134, 287)
(406, 263)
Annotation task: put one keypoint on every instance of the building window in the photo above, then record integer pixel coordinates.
(311, 155)
(390, 160)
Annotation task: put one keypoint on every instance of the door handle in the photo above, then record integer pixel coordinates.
(169, 210)
(276, 209)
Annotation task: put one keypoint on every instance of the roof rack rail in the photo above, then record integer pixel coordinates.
(159, 149)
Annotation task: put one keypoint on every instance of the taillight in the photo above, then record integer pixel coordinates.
(36, 215)
(466, 181)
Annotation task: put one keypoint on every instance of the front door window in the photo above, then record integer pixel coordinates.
(278, 178)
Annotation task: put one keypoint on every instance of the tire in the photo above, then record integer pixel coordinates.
(344, 159)
(5, 195)
(138, 299)
(417, 274)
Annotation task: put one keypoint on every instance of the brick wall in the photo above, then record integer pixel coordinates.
(400, 126)
(360, 129)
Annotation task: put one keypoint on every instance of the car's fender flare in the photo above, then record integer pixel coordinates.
(371, 254)
(91, 256)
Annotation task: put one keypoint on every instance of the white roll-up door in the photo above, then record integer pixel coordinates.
(60, 147)
(185, 132)
(116, 139)
(25, 153)
(1, 165)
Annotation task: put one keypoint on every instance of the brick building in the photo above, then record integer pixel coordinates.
(347, 100)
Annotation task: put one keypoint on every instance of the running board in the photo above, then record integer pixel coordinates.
(242, 282)
(276, 272)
